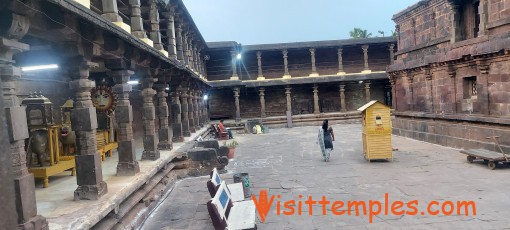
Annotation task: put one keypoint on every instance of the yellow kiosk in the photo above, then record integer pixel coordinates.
(376, 133)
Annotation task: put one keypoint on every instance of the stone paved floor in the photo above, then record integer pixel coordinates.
(287, 162)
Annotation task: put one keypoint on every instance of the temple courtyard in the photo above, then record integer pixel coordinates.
(287, 162)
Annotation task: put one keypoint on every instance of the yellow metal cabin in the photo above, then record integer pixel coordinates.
(376, 131)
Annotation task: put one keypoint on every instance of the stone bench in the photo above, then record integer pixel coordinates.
(213, 184)
(226, 214)
(206, 155)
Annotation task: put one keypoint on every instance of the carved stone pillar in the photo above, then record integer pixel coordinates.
(410, 99)
(170, 33)
(428, 87)
(343, 107)
(392, 53)
(137, 22)
(164, 132)
(128, 165)
(111, 13)
(178, 41)
(191, 112)
(195, 110)
(368, 98)
(195, 59)
(17, 130)
(177, 117)
(185, 48)
(155, 33)
(150, 140)
(316, 109)
(236, 97)
(205, 111)
(456, 22)
(233, 55)
(393, 79)
(289, 98)
(340, 62)
(453, 73)
(482, 87)
(314, 68)
(185, 113)
(200, 110)
(483, 17)
(191, 55)
(259, 63)
(365, 57)
(286, 64)
(262, 103)
(84, 123)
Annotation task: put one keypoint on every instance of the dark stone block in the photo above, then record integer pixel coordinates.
(150, 151)
(128, 168)
(84, 119)
(16, 118)
(176, 109)
(90, 192)
(126, 151)
(177, 131)
(213, 144)
(88, 169)
(149, 113)
(202, 154)
(25, 197)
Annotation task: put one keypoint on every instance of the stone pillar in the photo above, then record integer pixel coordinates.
(343, 107)
(428, 87)
(314, 69)
(259, 63)
(367, 92)
(185, 113)
(289, 98)
(316, 109)
(262, 103)
(111, 13)
(84, 123)
(195, 59)
(200, 109)
(177, 118)
(365, 57)
(393, 79)
(482, 87)
(185, 48)
(164, 132)
(191, 112)
(17, 130)
(150, 140)
(483, 17)
(178, 41)
(286, 64)
(236, 97)
(137, 22)
(233, 55)
(410, 99)
(170, 33)
(195, 110)
(205, 111)
(128, 165)
(340, 62)
(155, 32)
(392, 53)
(191, 55)
(456, 20)
(453, 73)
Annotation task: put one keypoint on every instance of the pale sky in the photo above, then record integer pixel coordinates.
(273, 21)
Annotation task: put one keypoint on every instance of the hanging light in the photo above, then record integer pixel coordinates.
(133, 82)
(39, 67)
(206, 97)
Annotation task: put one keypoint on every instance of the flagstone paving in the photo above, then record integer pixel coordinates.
(287, 162)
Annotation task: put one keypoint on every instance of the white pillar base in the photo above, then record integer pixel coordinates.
(164, 52)
(234, 78)
(314, 75)
(85, 3)
(148, 41)
(123, 26)
(340, 73)
(286, 76)
(260, 78)
(366, 71)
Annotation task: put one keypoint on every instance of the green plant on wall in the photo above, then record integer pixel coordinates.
(232, 144)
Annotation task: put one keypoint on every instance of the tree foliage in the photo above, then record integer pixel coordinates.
(359, 33)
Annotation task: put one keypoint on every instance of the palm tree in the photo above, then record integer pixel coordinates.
(359, 33)
(381, 32)
(394, 33)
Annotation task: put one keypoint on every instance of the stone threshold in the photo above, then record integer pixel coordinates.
(57, 204)
(477, 118)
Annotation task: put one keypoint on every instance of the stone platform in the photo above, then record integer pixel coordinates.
(57, 204)
(287, 162)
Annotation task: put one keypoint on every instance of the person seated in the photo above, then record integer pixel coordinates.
(222, 129)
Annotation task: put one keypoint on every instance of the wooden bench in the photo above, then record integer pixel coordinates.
(236, 189)
(226, 214)
(219, 135)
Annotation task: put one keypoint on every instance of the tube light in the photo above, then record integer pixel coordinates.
(206, 97)
(133, 82)
(239, 56)
(39, 67)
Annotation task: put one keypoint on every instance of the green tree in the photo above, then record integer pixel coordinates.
(394, 33)
(359, 33)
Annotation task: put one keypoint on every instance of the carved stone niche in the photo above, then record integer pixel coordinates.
(13, 26)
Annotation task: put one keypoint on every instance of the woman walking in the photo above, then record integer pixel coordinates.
(326, 138)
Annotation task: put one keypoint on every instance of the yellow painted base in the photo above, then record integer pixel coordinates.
(234, 78)
(123, 26)
(340, 73)
(286, 76)
(106, 151)
(366, 71)
(46, 172)
(261, 78)
(164, 52)
(148, 41)
(85, 3)
(314, 75)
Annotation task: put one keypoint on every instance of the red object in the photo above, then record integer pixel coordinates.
(231, 153)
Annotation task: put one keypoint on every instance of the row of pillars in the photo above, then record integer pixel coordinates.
(183, 43)
(186, 103)
(314, 72)
(288, 89)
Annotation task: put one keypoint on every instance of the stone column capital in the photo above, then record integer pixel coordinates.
(259, 54)
(261, 91)
(365, 48)
(285, 53)
(312, 51)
